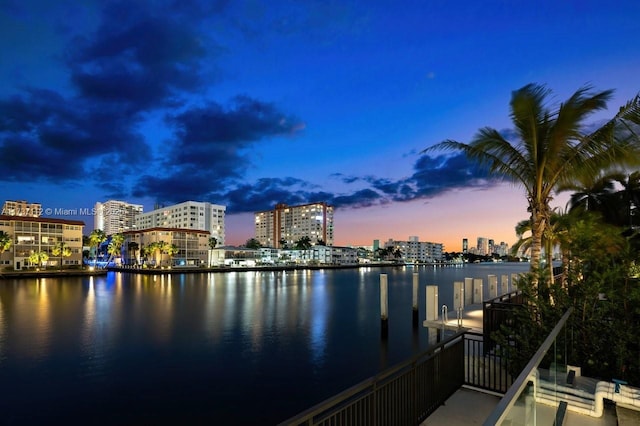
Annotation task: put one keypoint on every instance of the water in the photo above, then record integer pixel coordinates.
(235, 348)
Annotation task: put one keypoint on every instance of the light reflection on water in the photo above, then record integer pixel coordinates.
(234, 348)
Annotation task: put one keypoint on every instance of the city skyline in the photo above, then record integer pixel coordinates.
(247, 106)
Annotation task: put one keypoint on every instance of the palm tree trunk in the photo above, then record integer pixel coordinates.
(537, 230)
(565, 269)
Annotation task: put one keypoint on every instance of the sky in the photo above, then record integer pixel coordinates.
(252, 103)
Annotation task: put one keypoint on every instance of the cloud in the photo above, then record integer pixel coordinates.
(210, 144)
(139, 58)
(45, 136)
(143, 59)
(435, 175)
(362, 198)
(159, 59)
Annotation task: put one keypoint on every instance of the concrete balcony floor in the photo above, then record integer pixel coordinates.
(472, 407)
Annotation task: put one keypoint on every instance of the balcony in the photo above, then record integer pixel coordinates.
(458, 382)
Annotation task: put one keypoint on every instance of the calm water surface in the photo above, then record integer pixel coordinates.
(235, 348)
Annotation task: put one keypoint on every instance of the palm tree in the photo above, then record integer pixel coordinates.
(34, 258)
(5, 242)
(591, 192)
(252, 243)
(213, 242)
(160, 249)
(38, 258)
(397, 254)
(133, 247)
(629, 195)
(171, 250)
(115, 246)
(147, 251)
(552, 148)
(96, 238)
(61, 249)
(283, 243)
(304, 243)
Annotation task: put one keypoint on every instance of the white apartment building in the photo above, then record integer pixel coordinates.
(266, 256)
(193, 246)
(114, 217)
(291, 223)
(21, 208)
(40, 235)
(414, 250)
(195, 215)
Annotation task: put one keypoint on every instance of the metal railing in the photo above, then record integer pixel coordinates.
(408, 393)
(496, 312)
(402, 395)
(487, 370)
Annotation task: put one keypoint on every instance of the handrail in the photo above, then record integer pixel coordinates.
(366, 384)
(521, 381)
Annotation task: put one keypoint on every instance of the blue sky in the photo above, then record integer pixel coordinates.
(249, 103)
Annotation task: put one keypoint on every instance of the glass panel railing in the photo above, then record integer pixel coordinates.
(540, 380)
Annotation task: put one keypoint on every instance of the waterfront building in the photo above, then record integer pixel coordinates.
(40, 235)
(192, 244)
(323, 255)
(114, 217)
(285, 225)
(21, 208)
(416, 251)
(193, 215)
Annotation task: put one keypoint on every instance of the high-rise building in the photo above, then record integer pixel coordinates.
(21, 208)
(194, 215)
(483, 246)
(465, 245)
(288, 224)
(114, 217)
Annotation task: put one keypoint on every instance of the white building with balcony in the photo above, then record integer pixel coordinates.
(194, 215)
(114, 217)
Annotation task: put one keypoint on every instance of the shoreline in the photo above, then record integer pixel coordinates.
(52, 273)
(223, 269)
(187, 270)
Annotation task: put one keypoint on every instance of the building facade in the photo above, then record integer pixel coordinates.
(483, 246)
(31, 235)
(285, 225)
(192, 246)
(193, 215)
(416, 251)
(114, 217)
(21, 208)
(268, 256)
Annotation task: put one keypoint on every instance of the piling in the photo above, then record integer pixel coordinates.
(384, 307)
(493, 286)
(414, 307)
(477, 290)
(504, 284)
